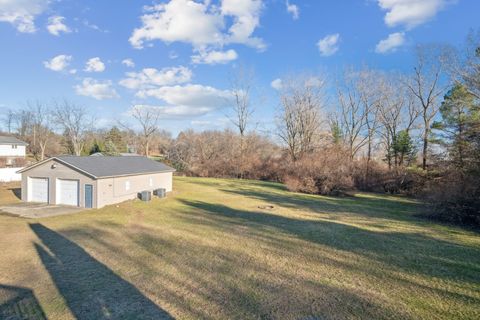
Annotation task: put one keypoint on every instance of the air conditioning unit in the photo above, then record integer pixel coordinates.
(160, 192)
(145, 195)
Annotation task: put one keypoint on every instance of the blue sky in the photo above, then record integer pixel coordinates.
(177, 55)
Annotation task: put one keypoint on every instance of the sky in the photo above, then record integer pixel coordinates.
(179, 55)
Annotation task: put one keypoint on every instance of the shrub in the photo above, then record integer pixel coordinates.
(328, 172)
(455, 198)
(374, 178)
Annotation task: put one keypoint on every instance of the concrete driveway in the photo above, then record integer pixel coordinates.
(38, 210)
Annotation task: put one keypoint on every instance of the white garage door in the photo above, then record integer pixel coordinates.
(38, 190)
(67, 191)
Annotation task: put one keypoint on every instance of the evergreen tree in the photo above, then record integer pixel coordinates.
(336, 132)
(114, 141)
(110, 148)
(404, 149)
(95, 148)
(459, 127)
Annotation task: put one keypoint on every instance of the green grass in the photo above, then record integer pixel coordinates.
(209, 252)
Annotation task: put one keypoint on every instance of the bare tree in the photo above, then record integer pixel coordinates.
(299, 120)
(147, 118)
(425, 86)
(353, 115)
(463, 64)
(390, 115)
(370, 97)
(241, 84)
(74, 121)
(41, 129)
(23, 118)
(9, 120)
(397, 109)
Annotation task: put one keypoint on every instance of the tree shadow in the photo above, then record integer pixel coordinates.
(19, 303)
(234, 285)
(17, 192)
(373, 205)
(91, 290)
(410, 252)
(381, 207)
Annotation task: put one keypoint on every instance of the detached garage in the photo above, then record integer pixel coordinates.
(93, 182)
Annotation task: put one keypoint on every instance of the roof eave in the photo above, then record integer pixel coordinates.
(17, 143)
(135, 174)
(60, 161)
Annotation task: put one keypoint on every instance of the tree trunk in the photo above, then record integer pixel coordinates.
(42, 151)
(425, 148)
(369, 157)
(240, 167)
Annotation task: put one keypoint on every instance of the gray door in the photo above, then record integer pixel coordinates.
(88, 196)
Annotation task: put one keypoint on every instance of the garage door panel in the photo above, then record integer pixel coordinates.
(38, 190)
(67, 191)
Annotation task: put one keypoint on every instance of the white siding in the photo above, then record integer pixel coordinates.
(6, 150)
(10, 174)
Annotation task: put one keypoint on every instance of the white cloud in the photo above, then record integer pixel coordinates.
(246, 15)
(176, 112)
(202, 123)
(200, 24)
(210, 123)
(92, 26)
(314, 82)
(128, 62)
(179, 20)
(55, 25)
(293, 10)
(96, 89)
(191, 95)
(215, 57)
(94, 65)
(391, 43)
(410, 13)
(58, 63)
(22, 13)
(150, 78)
(276, 84)
(329, 44)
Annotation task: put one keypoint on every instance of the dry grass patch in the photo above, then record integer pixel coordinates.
(210, 251)
(9, 192)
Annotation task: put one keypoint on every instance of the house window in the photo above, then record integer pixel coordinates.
(127, 185)
(14, 146)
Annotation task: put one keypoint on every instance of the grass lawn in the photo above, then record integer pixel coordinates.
(209, 252)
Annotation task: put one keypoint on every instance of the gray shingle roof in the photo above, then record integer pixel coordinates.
(111, 166)
(11, 140)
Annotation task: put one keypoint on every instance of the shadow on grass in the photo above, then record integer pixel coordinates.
(375, 206)
(17, 192)
(410, 252)
(230, 283)
(90, 289)
(19, 303)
